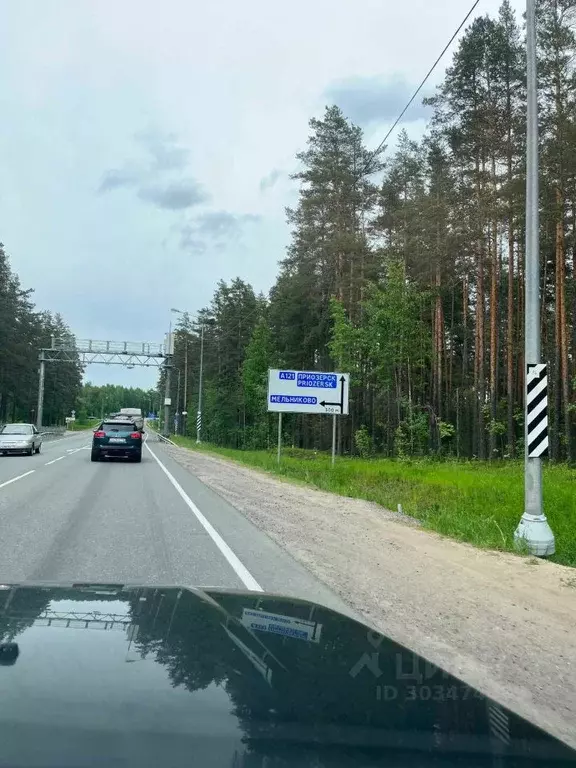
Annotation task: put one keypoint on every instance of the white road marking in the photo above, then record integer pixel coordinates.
(69, 452)
(239, 568)
(19, 477)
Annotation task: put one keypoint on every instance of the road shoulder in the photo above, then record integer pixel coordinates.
(503, 623)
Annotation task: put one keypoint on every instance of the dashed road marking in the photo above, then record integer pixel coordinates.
(54, 461)
(19, 477)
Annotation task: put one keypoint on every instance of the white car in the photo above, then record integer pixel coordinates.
(20, 438)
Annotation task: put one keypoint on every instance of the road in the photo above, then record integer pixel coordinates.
(64, 518)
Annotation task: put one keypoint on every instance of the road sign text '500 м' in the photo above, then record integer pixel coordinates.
(308, 392)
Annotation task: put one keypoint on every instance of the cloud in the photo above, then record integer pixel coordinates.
(167, 155)
(268, 181)
(174, 196)
(376, 100)
(214, 227)
(120, 177)
(159, 179)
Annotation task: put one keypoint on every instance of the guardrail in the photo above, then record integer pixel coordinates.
(166, 439)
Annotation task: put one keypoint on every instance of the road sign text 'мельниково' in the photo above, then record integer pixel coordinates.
(308, 392)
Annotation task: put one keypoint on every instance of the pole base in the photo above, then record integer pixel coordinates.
(535, 533)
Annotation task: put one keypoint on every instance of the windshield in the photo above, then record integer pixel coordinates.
(16, 429)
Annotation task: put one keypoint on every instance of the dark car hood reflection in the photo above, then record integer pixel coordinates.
(124, 675)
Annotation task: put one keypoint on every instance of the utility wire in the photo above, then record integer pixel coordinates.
(417, 91)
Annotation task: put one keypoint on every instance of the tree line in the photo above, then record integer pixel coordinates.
(97, 402)
(24, 330)
(407, 270)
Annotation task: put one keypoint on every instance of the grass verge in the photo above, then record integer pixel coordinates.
(78, 426)
(476, 502)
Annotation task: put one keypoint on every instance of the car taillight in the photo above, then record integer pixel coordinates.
(100, 433)
(135, 435)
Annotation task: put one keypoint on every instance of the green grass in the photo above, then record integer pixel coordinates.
(77, 426)
(476, 502)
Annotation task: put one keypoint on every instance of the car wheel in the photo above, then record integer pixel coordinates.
(95, 456)
(39, 448)
(30, 450)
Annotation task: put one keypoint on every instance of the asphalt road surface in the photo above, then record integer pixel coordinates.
(64, 518)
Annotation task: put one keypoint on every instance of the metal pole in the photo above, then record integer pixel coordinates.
(533, 529)
(40, 410)
(184, 418)
(279, 435)
(178, 409)
(168, 368)
(199, 414)
(333, 438)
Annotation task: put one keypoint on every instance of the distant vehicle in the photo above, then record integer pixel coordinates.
(20, 438)
(131, 413)
(119, 438)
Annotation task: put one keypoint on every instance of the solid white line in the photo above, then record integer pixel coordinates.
(19, 477)
(54, 461)
(240, 569)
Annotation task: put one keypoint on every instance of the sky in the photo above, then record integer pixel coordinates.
(146, 147)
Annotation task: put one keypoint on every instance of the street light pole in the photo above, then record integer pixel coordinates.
(167, 369)
(199, 414)
(533, 529)
(178, 408)
(185, 409)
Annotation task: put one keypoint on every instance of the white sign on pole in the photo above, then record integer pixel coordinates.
(308, 392)
(277, 624)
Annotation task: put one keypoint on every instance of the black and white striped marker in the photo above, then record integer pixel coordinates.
(498, 723)
(198, 421)
(537, 409)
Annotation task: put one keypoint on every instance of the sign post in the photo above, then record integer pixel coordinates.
(308, 392)
(279, 435)
(333, 438)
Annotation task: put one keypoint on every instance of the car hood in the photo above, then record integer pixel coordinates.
(130, 675)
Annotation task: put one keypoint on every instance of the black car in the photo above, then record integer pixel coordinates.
(121, 675)
(118, 438)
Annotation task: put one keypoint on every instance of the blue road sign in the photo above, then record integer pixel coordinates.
(317, 380)
(293, 399)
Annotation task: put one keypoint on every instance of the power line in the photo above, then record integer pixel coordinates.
(417, 91)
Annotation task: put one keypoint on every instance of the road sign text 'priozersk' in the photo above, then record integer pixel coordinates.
(308, 392)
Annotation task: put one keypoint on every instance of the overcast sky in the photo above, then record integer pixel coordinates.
(149, 144)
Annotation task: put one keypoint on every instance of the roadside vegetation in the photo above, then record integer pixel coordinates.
(470, 501)
(407, 270)
(78, 426)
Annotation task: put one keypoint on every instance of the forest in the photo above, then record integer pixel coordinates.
(97, 401)
(24, 330)
(405, 267)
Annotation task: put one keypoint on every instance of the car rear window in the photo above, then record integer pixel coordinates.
(118, 426)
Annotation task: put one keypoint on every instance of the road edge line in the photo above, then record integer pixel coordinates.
(233, 560)
(18, 477)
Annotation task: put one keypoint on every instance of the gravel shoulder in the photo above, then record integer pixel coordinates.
(502, 623)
